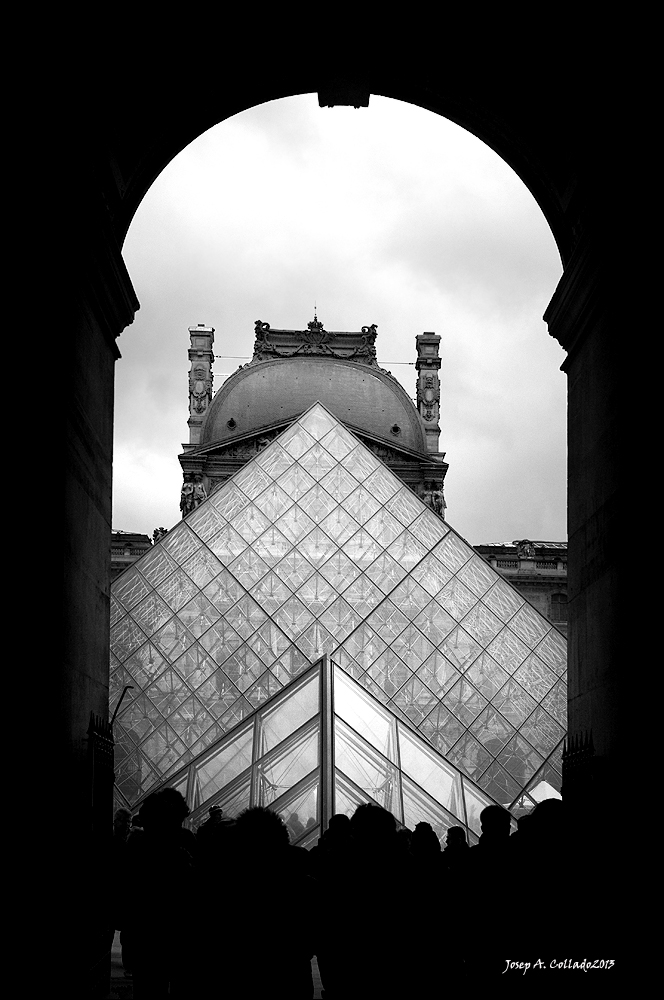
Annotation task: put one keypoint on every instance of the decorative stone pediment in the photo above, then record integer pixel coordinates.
(315, 340)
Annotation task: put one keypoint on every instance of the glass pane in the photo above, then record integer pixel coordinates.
(346, 796)
(429, 528)
(293, 617)
(268, 642)
(464, 702)
(339, 483)
(339, 525)
(418, 807)
(415, 700)
(274, 460)
(478, 576)
(181, 542)
(227, 544)
(286, 766)
(151, 613)
(363, 596)
(469, 756)
(482, 624)
(339, 620)
(384, 527)
(294, 569)
(299, 813)
(272, 546)
(317, 462)
(553, 650)
(294, 524)
(535, 677)
(296, 441)
(425, 767)
(432, 575)
(442, 729)
(199, 615)
(228, 500)
(409, 597)
(386, 572)
(177, 589)
(338, 442)
(407, 550)
(412, 647)
(317, 503)
(252, 480)
(362, 549)
(223, 592)
(318, 422)
(317, 547)
(220, 641)
(486, 675)
(453, 551)
(508, 650)
(130, 588)
(438, 674)
(405, 506)
(383, 484)
(339, 571)
(317, 593)
(503, 600)
(389, 672)
(156, 565)
(300, 705)
(250, 523)
(368, 769)
(270, 593)
(296, 482)
(316, 641)
(361, 712)
(361, 505)
(456, 599)
(274, 502)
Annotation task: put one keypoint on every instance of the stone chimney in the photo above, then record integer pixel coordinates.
(200, 378)
(428, 386)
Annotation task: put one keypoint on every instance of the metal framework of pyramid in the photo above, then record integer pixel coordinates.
(313, 636)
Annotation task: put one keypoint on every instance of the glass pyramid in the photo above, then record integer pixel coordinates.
(313, 636)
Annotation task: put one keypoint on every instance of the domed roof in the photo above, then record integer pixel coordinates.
(276, 390)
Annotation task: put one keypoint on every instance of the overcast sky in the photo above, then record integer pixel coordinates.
(387, 215)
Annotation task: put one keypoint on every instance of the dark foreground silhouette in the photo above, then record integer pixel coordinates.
(236, 911)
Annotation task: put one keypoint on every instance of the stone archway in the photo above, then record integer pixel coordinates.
(121, 135)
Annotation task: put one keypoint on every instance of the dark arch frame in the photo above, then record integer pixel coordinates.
(120, 132)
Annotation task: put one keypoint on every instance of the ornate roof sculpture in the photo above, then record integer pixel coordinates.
(313, 636)
(315, 340)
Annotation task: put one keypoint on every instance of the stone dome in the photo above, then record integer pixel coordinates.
(270, 392)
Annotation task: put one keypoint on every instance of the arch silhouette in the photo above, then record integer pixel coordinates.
(118, 132)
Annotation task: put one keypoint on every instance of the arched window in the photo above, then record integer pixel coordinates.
(558, 607)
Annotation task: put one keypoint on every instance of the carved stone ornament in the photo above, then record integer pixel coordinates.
(315, 340)
(525, 549)
(436, 500)
(200, 388)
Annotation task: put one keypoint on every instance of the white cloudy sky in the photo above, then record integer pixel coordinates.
(387, 215)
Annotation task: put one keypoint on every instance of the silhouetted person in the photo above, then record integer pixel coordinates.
(258, 915)
(214, 841)
(455, 854)
(160, 874)
(295, 826)
(366, 921)
(488, 871)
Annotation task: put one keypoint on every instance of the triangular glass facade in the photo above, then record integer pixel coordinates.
(313, 636)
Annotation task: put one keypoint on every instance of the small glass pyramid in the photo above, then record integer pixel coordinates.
(313, 636)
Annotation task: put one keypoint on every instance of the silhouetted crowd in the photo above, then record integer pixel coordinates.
(235, 910)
